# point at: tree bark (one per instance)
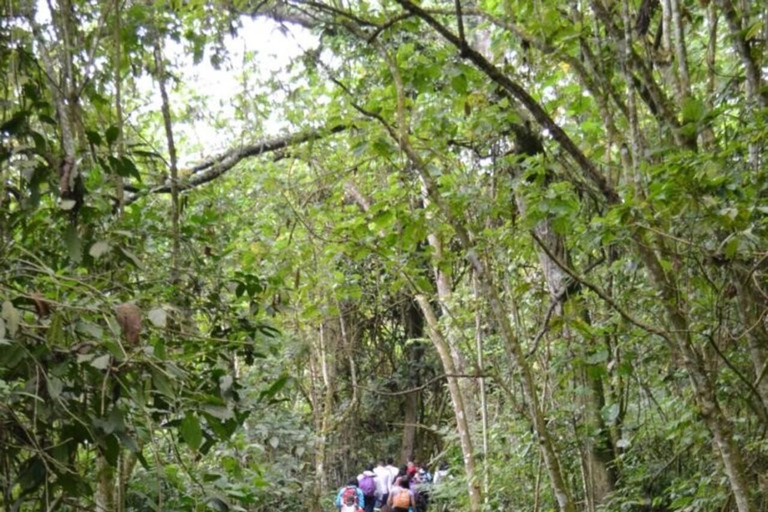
(681, 52)
(414, 327)
(752, 317)
(104, 499)
(465, 439)
(704, 389)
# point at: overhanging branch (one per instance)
(214, 167)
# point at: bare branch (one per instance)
(216, 166)
(518, 92)
(598, 291)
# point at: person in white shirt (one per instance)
(383, 483)
(393, 471)
(441, 474)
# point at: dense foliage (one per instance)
(523, 238)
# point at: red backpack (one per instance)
(349, 498)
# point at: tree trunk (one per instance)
(444, 295)
(749, 305)
(536, 415)
(704, 389)
(126, 465)
(104, 499)
(414, 327)
(488, 292)
(599, 451)
(443, 350)
(681, 54)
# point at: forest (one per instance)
(249, 247)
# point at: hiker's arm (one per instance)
(360, 498)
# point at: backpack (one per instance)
(368, 485)
(402, 499)
(349, 500)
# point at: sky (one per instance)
(273, 47)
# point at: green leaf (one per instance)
(158, 317)
(31, 473)
(218, 505)
(681, 502)
(101, 362)
(459, 83)
(67, 204)
(693, 110)
(55, 387)
(598, 357)
(382, 220)
(91, 329)
(55, 334)
(162, 384)
(112, 133)
(753, 30)
(15, 124)
(12, 318)
(129, 257)
(129, 169)
(276, 386)
(191, 431)
(218, 411)
(111, 450)
(74, 243)
(93, 137)
(98, 249)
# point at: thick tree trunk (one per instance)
(600, 453)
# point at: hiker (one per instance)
(421, 490)
(424, 475)
(366, 482)
(393, 471)
(383, 483)
(441, 473)
(401, 497)
(350, 497)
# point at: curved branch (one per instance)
(520, 94)
(599, 292)
(216, 166)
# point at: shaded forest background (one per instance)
(525, 238)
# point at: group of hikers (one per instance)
(388, 488)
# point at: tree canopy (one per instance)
(523, 238)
